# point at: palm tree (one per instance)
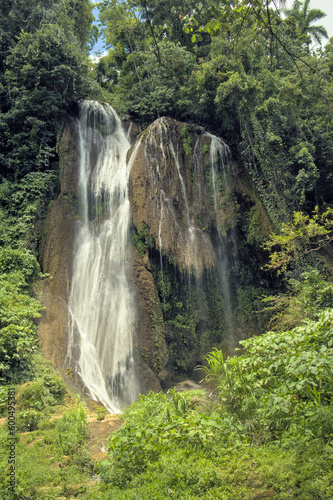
(305, 17)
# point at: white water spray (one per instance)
(101, 303)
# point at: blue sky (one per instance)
(99, 45)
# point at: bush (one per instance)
(18, 333)
(34, 396)
(146, 406)
(283, 381)
(44, 370)
(72, 430)
(28, 420)
(56, 386)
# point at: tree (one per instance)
(297, 239)
(46, 72)
(148, 87)
(305, 18)
(18, 333)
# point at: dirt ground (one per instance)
(100, 431)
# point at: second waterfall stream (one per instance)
(101, 305)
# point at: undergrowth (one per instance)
(265, 432)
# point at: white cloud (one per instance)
(96, 57)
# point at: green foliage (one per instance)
(306, 296)
(199, 455)
(305, 234)
(53, 382)
(246, 87)
(44, 69)
(46, 390)
(166, 426)
(24, 207)
(20, 265)
(33, 395)
(35, 398)
(148, 406)
(282, 381)
(147, 88)
(186, 140)
(18, 335)
(101, 413)
(42, 470)
(141, 239)
(192, 309)
(42, 60)
(305, 17)
(28, 420)
(265, 17)
(314, 292)
(72, 430)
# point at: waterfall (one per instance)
(220, 159)
(101, 302)
(171, 217)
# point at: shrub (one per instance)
(28, 420)
(72, 430)
(283, 381)
(34, 396)
(55, 385)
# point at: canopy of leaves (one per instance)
(304, 235)
(305, 18)
(256, 83)
(44, 70)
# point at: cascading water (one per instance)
(220, 158)
(169, 194)
(101, 302)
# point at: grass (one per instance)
(185, 465)
(43, 471)
(266, 434)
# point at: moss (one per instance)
(205, 150)
(141, 238)
(143, 135)
(157, 317)
(71, 202)
(193, 313)
(156, 358)
(146, 354)
(186, 140)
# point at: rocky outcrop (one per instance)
(170, 193)
(150, 324)
(57, 255)
(186, 198)
(57, 261)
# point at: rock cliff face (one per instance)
(186, 196)
(181, 193)
(169, 192)
(57, 255)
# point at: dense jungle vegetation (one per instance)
(263, 82)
